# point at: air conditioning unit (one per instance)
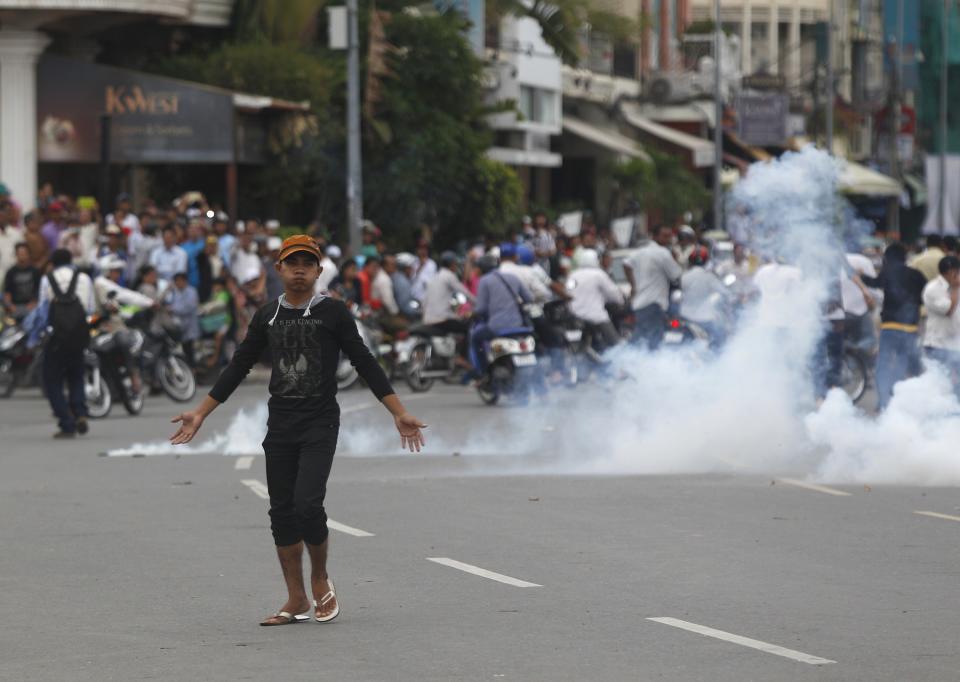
(672, 88)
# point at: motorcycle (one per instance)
(163, 362)
(346, 373)
(19, 365)
(432, 353)
(511, 367)
(111, 368)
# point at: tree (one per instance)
(561, 21)
(431, 168)
(661, 185)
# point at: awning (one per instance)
(607, 139)
(702, 152)
(860, 180)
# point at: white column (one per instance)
(746, 39)
(19, 51)
(773, 38)
(794, 45)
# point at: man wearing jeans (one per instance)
(902, 288)
(651, 271)
(66, 364)
(941, 338)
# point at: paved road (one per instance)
(159, 568)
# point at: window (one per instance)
(538, 105)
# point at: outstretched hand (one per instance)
(190, 423)
(411, 436)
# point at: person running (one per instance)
(305, 334)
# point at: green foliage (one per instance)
(431, 169)
(662, 185)
(260, 68)
(276, 21)
(561, 20)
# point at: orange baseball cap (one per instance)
(299, 242)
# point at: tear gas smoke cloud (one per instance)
(748, 409)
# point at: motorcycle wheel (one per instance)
(346, 374)
(132, 402)
(177, 379)
(854, 375)
(99, 400)
(488, 392)
(8, 378)
(415, 367)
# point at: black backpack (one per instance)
(67, 319)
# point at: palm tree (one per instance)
(561, 20)
(276, 21)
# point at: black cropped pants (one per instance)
(298, 465)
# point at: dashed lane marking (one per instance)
(813, 486)
(244, 462)
(482, 572)
(765, 647)
(260, 490)
(938, 515)
(349, 530)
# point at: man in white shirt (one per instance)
(437, 308)
(62, 364)
(425, 270)
(329, 269)
(859, 302)
(651, 271)
(535, 280)
(941, 338)
(168, 259)
(706, 300)
(591, 289)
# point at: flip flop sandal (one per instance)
(287, 617)
(324, 601)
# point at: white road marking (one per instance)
(938, 515)
(349, 530)
(482, 572)
(359, 407)
(814, 486)
(260, 490)
(243, 463)
(743, 641)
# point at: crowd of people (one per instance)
(194, 264)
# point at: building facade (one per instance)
(32, 27)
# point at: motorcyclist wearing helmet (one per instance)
(591, 289)
(706, 300)
(110, 297)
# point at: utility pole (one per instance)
(944, 37)
(717, 125)
(895, 106)
(354, 160)
(830, 95)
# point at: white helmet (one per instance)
(111, 262)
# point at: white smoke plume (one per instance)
(749, 409)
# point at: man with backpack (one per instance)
(69, 296)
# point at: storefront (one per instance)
(97, 126)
